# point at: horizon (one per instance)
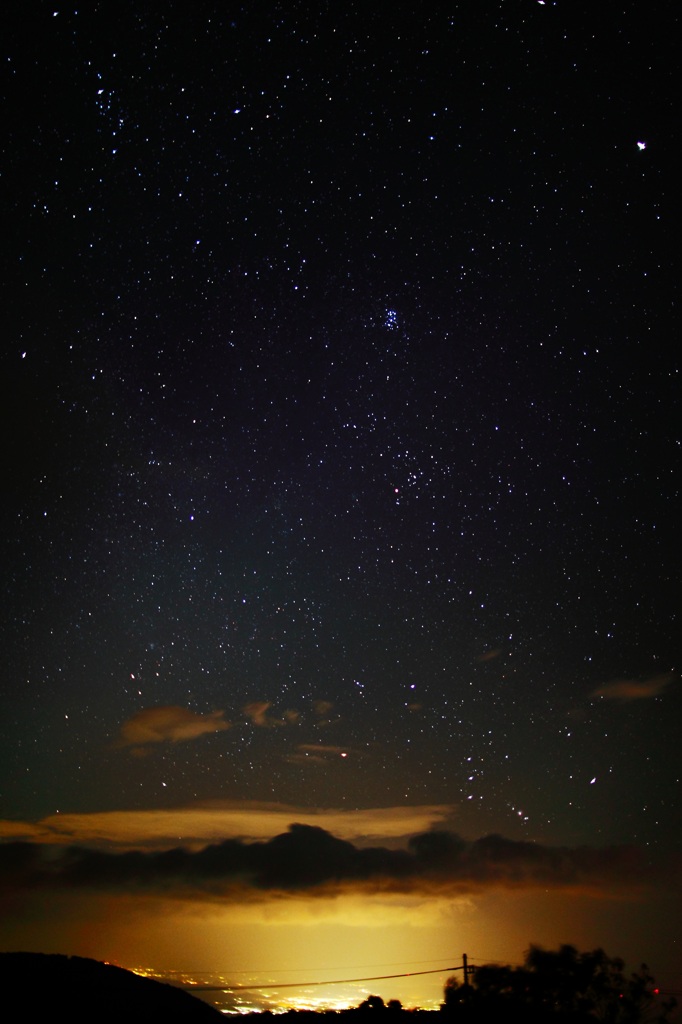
(251, 997)
(285, 910)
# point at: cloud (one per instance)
(490, 655)
(322, 708)
(324, 713)
(257, 713)
(21, 830)
(210, 822)
(168, 724)
(317, 753)
(308, 860)
(633, 689)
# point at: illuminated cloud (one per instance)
(200, 824)
(23, 830)
(322, 708)
(257, 713)
(490, 655)
(633, 689)
(308, 860)
(168, 724)
(324, 713)
(317, 753)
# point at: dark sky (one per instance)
(340, 385)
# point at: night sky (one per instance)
(341, 457)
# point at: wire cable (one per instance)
(309, 984)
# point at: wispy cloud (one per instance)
(257, 712)
(168, 724)
(324, 713)
(626, 690)
(199, 824)
(317, 753)
(322, 708)
(490, 655)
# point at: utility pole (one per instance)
(465, 970)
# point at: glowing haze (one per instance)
(271, 909)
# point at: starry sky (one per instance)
(341, 462)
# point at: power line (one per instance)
(287, 970)
(464, 966)
(308, 984)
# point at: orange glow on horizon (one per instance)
(302, 941)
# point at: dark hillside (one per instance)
(40, 986)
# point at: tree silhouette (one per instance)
(558, 986)
(372, 1003)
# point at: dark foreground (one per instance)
(562, 987)
(42, 987)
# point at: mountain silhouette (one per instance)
(42, 986)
